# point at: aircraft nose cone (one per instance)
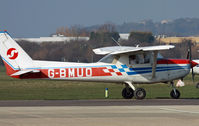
(193, 64)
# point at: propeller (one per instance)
(189, 56)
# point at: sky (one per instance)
(36, 18)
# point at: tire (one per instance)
(175, 96)
(197, 85)
(140, 93)
(127, 93)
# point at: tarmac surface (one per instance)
(164, 112)
(104, 102)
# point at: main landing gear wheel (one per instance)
(175, 94)
(197, 85)
(127, 93)
(140, 93)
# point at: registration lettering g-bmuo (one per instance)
(70, 72)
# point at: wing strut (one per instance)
(155, 53)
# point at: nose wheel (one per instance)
(175, 94)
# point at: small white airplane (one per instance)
(122, 64)
(196, 71)
(196, 68)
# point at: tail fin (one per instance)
(14, 57)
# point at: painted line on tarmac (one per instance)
(179, 111)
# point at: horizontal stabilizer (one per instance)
(21, 72)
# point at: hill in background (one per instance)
(178, 27)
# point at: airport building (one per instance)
(53, 38)
(176, 39)
(61, 38)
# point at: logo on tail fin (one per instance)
(12, 53)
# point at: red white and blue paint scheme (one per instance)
(122, 64)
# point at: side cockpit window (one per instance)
(143, 58)
(132, 59)
(110, 59)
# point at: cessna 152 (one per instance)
(122, 64)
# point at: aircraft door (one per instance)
(162, 72)
(141, 63)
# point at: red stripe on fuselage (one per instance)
(99, 72)
(173, 61)
(75, 72)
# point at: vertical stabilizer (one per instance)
(14, 57)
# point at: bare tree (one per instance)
(108, 27)
(73, 31)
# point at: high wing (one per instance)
(127, 49)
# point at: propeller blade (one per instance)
(189, 51)
(192, 74)
(188, 54)
(190, 60)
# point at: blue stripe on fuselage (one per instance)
(157, 70)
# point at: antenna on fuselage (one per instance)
(116, 41)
